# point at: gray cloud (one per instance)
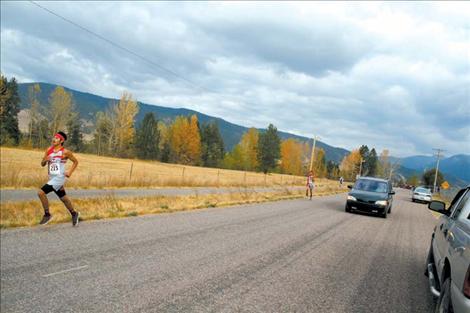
(389, 75)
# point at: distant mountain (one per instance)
(456, 169)
(88, 104)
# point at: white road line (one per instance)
(66, 271)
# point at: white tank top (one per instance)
(57, 162)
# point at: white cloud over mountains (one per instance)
(389, 75)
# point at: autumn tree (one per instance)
(185, 141)
(413, 180)
(319, 164)
(9, 108)
(60, 103)
(349, 167)
(102, 138)
(383, 166)
(123, 117)
(147, 139)
(194, 141)
(291, 157)
(268, 149)
(234, 159)
(212, 145)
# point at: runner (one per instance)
(341, 181)
(309, 184)
(55, 158)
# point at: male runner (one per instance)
(55, 158)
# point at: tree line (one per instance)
(183, 140)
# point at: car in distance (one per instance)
(372, 195)
(448, 263)
(421, 194)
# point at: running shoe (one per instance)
(45, 219)
(75, 218)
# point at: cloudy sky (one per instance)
(390, 75)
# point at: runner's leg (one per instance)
(42, 196)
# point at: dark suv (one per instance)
(372, 195)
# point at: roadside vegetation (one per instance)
(28, 213)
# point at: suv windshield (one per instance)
(371, 185)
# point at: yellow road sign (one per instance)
(445, 185)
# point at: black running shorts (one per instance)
(48, 188)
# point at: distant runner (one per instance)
(55, 158)
(341, 181)
(309, 184)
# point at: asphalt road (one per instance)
(289, 256)
(12, 195)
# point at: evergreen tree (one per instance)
(148, 138)
(75, 141)
(371, 163)
(165, 152)
(268, 149)
(9, 108)
(33, 97)
(428, 178)
(212, 145)
(332, 170)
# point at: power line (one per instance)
(122, 48)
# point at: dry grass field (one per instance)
(29, 213)
(21, 169)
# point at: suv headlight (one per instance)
(351, 198)
(381, 202)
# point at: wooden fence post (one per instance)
(130, 172)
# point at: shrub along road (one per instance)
(31, 194)
(288, 256)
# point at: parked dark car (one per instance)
(371, 195)
(448, 263)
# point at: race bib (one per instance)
(54, 169)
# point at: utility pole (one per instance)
(438, 151)
(313, 151)
(360, 167)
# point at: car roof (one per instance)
(373, 178)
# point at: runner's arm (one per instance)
(45, 159)
(74, 160)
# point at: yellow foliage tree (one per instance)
(61, 106)
(124, 113)
(319, 164)
(185, 141)
(291, 157)
(349, 167)
(383, 166)
(249, 149)
(194, 141)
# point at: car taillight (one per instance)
(466, 284)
